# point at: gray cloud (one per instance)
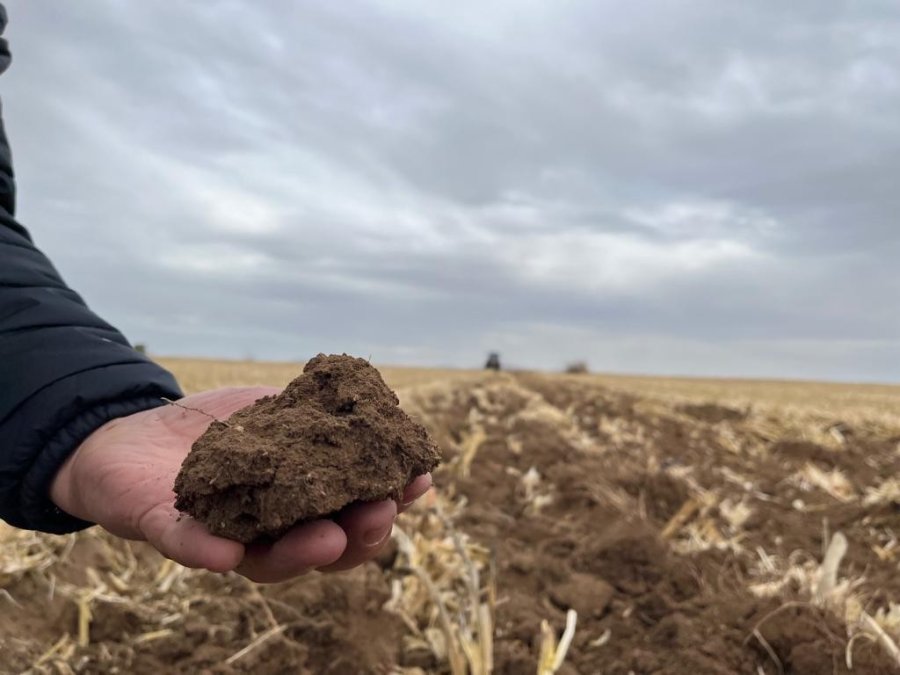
(693, 188)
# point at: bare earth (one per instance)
(673, 526)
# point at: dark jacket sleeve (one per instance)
(63, 371)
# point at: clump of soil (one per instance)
(335, 436)
(713, 413)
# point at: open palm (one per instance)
(121, 478)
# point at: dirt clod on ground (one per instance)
(335, 436)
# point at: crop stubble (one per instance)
(687, 539)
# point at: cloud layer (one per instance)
(693, 188)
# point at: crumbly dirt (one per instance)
(674, 533)
(335, 436)
(656, 592)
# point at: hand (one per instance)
(121, 478)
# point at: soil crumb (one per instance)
(335, 436)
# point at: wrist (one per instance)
(62, 489)
(67, 489)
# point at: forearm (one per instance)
(64, 373)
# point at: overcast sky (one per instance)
(704, 187)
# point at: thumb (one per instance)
(188, 542)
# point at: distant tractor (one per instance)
(577, 368)
(493, 361)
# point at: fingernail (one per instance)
(421, 493)
(403, 505)
(377, 536)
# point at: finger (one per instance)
(419, 486)
(368, 527)
(303, 548)
(187, 541)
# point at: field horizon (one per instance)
(831, 397)
(612, 375)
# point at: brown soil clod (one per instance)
(335, 436)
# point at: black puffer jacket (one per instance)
(63, 370)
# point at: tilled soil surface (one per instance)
(688, 537)
(662, 528)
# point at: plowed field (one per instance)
(669, 534)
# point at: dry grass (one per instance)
(834, 400)
(444, 590)
(200, 374)
(820, 585)
(119, 575)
